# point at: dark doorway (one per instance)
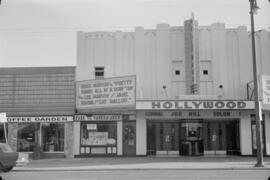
(233, 138)
(129, 138)
(151, 139)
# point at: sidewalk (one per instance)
(145, 163)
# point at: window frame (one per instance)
(101, 70)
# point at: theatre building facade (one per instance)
(177, 91)
(169, 91)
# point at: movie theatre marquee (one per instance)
(194, 105)
(106, 93)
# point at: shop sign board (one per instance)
(192, 114)
(106, 93)
(266, 89)
(40, 119)
(194, 105)
(115, 117)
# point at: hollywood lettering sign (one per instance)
(195, 105)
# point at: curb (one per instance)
(139, 169)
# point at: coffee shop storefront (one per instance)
(52, 135)
(195, 127)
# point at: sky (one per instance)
(43, 32)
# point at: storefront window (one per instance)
(27, 137)
(53, 137)
(98, 138)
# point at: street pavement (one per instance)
(139, 175)
(144, 163)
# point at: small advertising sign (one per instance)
(95, 139)
(114, 117)
(113, 92)
(266, 89)
(91, 126)
(3, 118)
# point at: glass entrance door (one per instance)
(168, 137)
(129, 138)
(151, 138)
(215, 138)
(162, 138)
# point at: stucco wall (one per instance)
(119, 138)
(76, 138)
(245, 134)
(151, 53)
(69, 140)
(141, 138)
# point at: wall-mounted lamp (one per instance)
(221, 92)
(165, 90)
